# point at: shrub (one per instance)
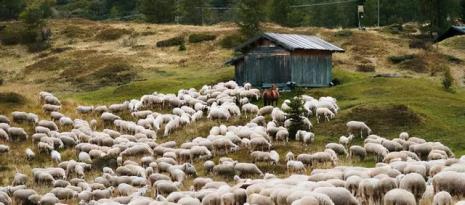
(232, 41)
(448, 80)
(12, 98)
(182, 47)
(420, 44)
(400, 59)
(77, 32)
(296, 114)
(176, 41)
(38, 46)
(454, 59)
(394, 28)
(343, 33)
(201, 37)
(366, 68)
(111, 34)
(18, 34)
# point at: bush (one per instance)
(111, 34)
(12, 98)
(18, 34)
(343, 33)
(176, 41)
(448, 80)
(182, 47)
(201, 37)
(366, 68)
(394, 29)
(420, 44)
(232, 41)
(38, 46)
(400, 59)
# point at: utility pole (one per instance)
(378, 13)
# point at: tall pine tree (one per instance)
(158, 11)
(249, 15)
(296, 114)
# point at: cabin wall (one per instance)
(276, 66)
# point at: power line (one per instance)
(322, 4)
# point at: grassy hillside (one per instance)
(106, 62)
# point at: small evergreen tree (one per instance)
(280, 10)
(448, 79)
(296, 113)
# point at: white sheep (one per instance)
(29, 154)
(56, 156)
(353, 126)
(325, 112)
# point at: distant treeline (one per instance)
(327, 13)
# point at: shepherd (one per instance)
(271, 96)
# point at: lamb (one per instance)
(346, 141)
(247, 169)
(399, 196)
(325, 112)
(353, 126)
(357, 151)
(30, 154)
(442, 198)
(56, 156)
(4, 148)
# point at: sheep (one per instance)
(295, 166)
(48, 199)
(278, 115)
(249, 108)
(338, 148)
(47, 108)
(4, 119)
(5, 199)
(19, 117)
(378, 150)
(19, 179)
(22, 195)
(84, 157)
(404, 136)
(266, 110)
(259, 199)
(449, 181)
(414, 183)
(353, 126)
(282, 135)
(29, 154)
(247, 169)
(4, 148)
(208, 166)
(442, 198)
(164, 187)
(340, 196)
(259, 156)
(4, 135)
(259, 143)
(17, 133)
(399, 196)
(48, 124)
(357, 151)
(56, 156)
(325, 112)
(304, 136)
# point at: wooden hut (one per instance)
(273, 58)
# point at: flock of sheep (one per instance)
(409, 171)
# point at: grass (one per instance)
(164, 81)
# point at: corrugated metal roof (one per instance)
(294, 41)
(452, 31)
